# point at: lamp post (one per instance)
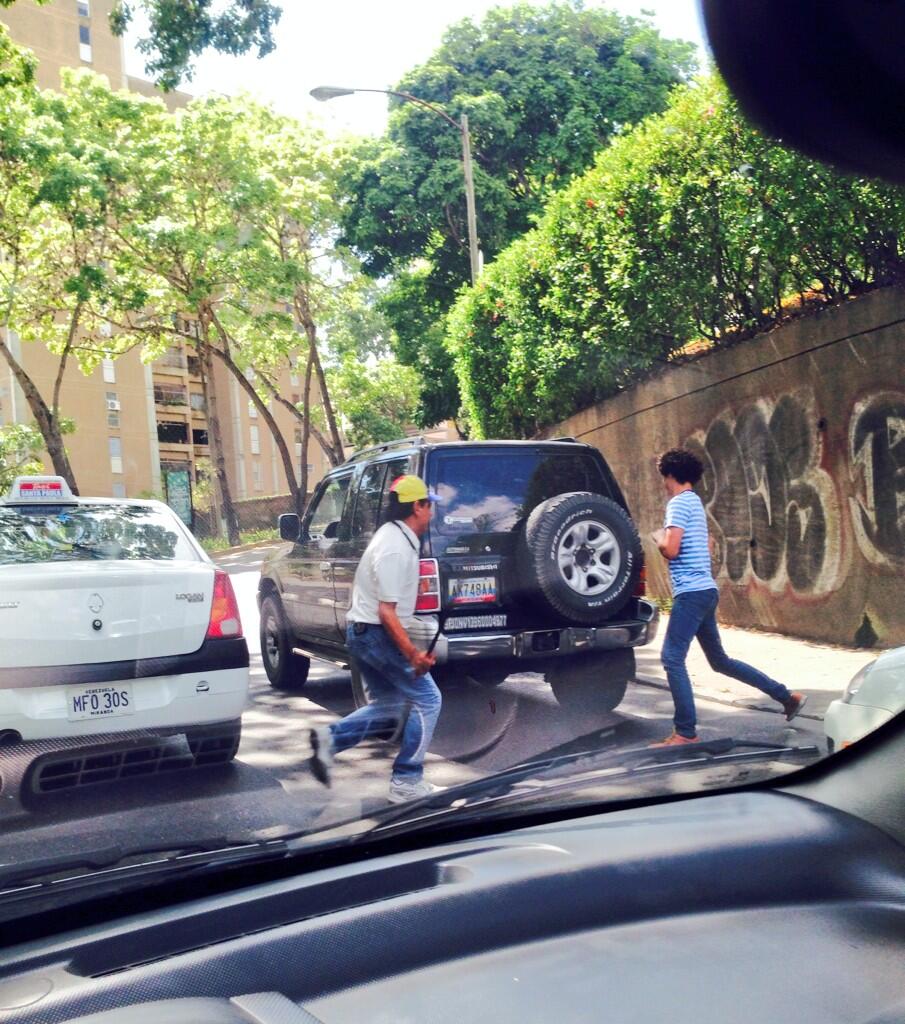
(329, 92)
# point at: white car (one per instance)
(875, 694)
(113, 621)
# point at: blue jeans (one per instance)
(394, 691)
(694, 615)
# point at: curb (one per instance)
(647, 681)
(214, 555)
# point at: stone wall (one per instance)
(802, 434)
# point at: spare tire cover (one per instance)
(581, 556)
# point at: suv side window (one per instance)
(327, 512)
(366, 516)
(395, 469)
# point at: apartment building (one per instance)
(135, 423)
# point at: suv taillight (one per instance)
(225, 621)
(428, 586)
(641, 586)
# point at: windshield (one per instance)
(33, 533)
(522, 403)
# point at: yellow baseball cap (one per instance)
(411, 488)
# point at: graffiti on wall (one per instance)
(772, 509)
(877, 469)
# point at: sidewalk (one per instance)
(820, 671)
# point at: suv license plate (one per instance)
(98, 701)
(478, 589)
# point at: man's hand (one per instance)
(668, 541)
(421, 662)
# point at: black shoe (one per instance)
(794, 704)
(321, 761)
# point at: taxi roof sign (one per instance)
(40, 488)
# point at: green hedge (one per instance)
(692, 225)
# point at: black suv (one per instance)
(531, 562)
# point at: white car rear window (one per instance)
(75, 533)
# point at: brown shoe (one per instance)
(794, 704)
(674, 739)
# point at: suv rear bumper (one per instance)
(563, 641)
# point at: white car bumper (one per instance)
(167, 702)
(846, 723)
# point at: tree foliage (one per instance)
(20, 453)
(178, 32)
(692, 225)
(378, 401)
(544, 88)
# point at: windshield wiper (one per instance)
(508, 786)
(103, 867)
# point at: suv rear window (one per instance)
(487, 491)
(80, 533)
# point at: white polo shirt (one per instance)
(388, 571)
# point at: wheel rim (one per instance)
(271, 644)
(589, 558)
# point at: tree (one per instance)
(693, 225)
(60, 168)
(544, 89)
(378, 401)
(20, 453)
(178, 32)
(418, 341)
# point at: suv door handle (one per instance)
(326, 570)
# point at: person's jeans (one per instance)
(694, 615)
(394, 691)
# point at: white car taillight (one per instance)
(225, 621)
(641, 586)
(428, 586)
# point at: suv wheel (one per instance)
(285, 670)
(594, 682)
(582, 556)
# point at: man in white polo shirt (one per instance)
(395, 673)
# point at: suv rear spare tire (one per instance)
(581, 556)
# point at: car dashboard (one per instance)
(746, 906)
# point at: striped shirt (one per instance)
(690, 570)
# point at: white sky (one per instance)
(369, 44)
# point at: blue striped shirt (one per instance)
(691, 569)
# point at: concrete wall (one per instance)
(802, 434)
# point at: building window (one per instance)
(84, 9)
(85, 43)
(113, 408)
(116, 454)
(172, 432)
(252, 410)
(256, 476)
(196, 398)
(199, 436)
(170, 394)
(119, 490)
(255, 440)
(109, 371)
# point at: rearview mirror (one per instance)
(827, 78)
(290, 526)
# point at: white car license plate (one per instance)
(98, 701)
(471, 591)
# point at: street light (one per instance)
(329, 92)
